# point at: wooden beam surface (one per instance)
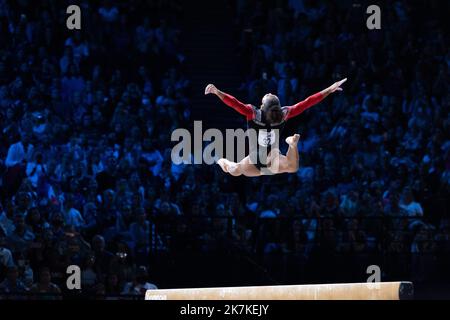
(340, 291)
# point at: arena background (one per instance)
(86, 118)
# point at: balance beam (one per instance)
(340, 291)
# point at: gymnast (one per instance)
(268, 121)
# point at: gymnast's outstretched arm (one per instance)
(229, 100)
(298, 108)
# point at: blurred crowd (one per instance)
(86, 117)
(375, 160)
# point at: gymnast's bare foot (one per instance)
(293, 140)
(225, 164)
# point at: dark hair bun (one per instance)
(272, 109)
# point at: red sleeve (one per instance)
(244, 109)
(298, 108)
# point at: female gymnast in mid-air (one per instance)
(268, 120)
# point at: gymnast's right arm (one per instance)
(229, 100)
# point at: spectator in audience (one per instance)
(12, 283)
(45, 285)
(139, 285)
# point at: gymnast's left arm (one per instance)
(298, 108)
